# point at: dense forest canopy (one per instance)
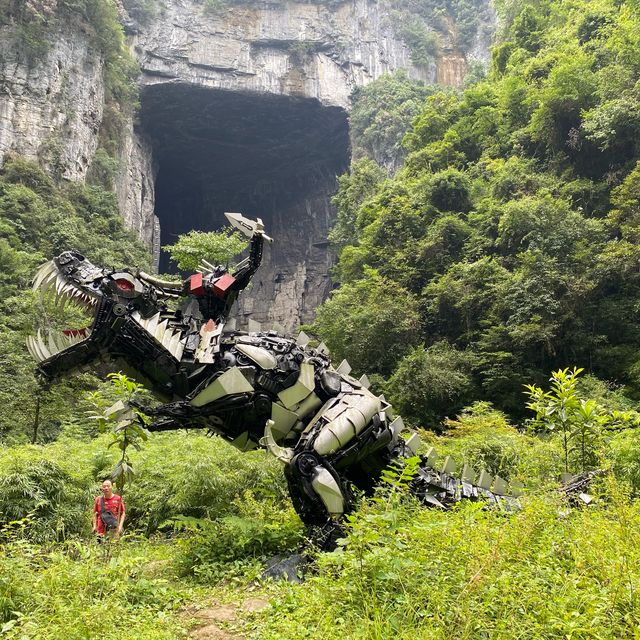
(507, 244)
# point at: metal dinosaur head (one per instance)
(113, 301)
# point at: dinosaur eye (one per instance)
(125, 285)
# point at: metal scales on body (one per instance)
(255, 389)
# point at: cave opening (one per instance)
(263, 155)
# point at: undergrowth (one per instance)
(401, 571)
(407, 572)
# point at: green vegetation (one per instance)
(38, 220)
(512, 226)
(421, 24)
(382, 112)
(217, 247)
(546, 571)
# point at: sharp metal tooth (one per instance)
(468, 474)
(152, 324)
(60, 340)
(485, 480)
(449, 465)
(174, 344)
(500, 486)
(179, 350)
(432, 457)
(323, 349)
(68, 291)
(344, 368)
(42, 349)
(46, 283)
(60, 283)
(166, 338)
(32, 350)
(364, 381)
(160, 330)
(43, 271)
(397, 426)
(413, 443)
(53, 347)
(303, 339)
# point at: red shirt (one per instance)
(113, 504)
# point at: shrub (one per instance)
(429, 384)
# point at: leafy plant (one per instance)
(217, 247)
(127, 422)
(579, 422)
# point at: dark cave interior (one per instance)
(264, 155)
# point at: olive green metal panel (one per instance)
(468, 474)
(308, 405)
(263, 358)
(327, 488)
(449, 465)
(397, 426)
(284, 454)
(413, 443)
(364, 381)
(303, 339)
(500, 486)
(516, 489)
(485, 480)
(359, 410)
(229, 383)
(283, 421)
(304, 385)
(344, 368)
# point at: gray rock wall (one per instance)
(51, 109)
(290, 48)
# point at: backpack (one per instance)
(108, 519)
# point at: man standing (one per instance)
(108, 512)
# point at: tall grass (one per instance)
(407, 572)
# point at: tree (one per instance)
(432, 383)
(217, 247)
(372, 322)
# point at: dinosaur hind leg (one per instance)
(319, 497)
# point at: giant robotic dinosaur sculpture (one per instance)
(254, 389)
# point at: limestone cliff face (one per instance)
(312, 50)
(245, 108)
(51, 110)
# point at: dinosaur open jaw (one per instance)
(64, 295)
(56, 342)
(49, 280)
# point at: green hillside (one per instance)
(506, 246)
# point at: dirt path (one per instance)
(216, 621)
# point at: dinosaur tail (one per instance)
(436, 482)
